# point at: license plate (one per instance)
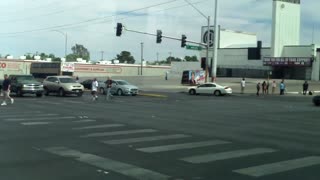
(77, 91)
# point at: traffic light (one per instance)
(203, 63)
(119, 29)
(183, 41)
(159, 36)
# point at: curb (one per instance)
(153, 95)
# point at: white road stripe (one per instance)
(38, 118)
(227, 155)
(15, 113)
(35, 123)
(120, 133)
(129, 170)
(84, 121)
(173, 147)
(49, 102)
(146, 139)
(99, 126)
(24, 115)
(74, 102)
(278, 167)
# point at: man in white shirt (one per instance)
(94, 89)
(243, 85)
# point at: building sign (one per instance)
(67, 67)
(287, 61)
(90, 68)
(15, 66)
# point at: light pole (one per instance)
(208, 37)
(215, 44)
(66, 42)
(141, 58)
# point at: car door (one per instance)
(201, 89)
(55, 84)
(210, 88)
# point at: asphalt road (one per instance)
(150, 138)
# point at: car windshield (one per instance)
(123, 83)
(25, 78)
(67, 80)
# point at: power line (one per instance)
(87, 21)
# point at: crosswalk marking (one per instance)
(173, 147)
(227, 155)
(102, 134)
(74, 102)
(278, 167)
(49, 102)
(146, 139)
(39, 118)
(129, 170)
(35, 123)
(24, 115)
(84, 121)
(99, 126)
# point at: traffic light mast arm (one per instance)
(167, 37)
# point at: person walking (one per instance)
(94, 89)
(108, 86)
(258, 89)
(274, 86)
(243, 85)
(305, 87)
(282, 87)
(6, 90)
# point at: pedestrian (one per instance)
(6, 90)
(77, 79)
(94, 89)
(305, 87)
(243, 85)
(274, 86)
(267, 88)
(264, 87)
(108, 86)
(166, 75)
(258, 89)
(282, 87)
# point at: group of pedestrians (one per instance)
(95, 86)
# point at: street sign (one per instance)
(197, 48)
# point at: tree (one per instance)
(78, 51)
(191, 59)
(125, 56)
(173, 59)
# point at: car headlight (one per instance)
(41, 86)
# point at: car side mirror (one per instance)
(57, 82)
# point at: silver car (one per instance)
(62, 85)
(121, 87)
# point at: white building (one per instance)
(239, 55)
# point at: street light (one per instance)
(208, 36)
(66, 42)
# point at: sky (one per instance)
(31, 26)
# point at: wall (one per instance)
(16, 67)
(298, 51)
(230, 38)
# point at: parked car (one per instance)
(25, 84)
(62, 85)
(121, 87)
(210, 88)
(88, 85)
(316, 100)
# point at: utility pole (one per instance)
(102, 53)
(141, 58)
(215, 44)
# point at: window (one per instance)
(67, 80)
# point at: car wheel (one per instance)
(19, 93)
(217, 93)
(119, 92)
(192, 92)
(46, 92)
(61, 92)
(102, 91)
(39, 94)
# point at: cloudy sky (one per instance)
(30, 26)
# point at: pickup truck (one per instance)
(25, 84)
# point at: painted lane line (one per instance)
(103, 134)
(24, 115)
(99, 126)
(173, 147)
(146, 139)
(129, 170)
(84, 121)
(227, 155)
(34, 119)
(35, 123)
(279, 167)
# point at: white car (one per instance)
(210, 88)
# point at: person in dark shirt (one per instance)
(6, 90)
(305, 87)
(108, 86)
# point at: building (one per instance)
(239, 54)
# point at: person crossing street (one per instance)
(6, 90)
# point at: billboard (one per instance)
(193, 77)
